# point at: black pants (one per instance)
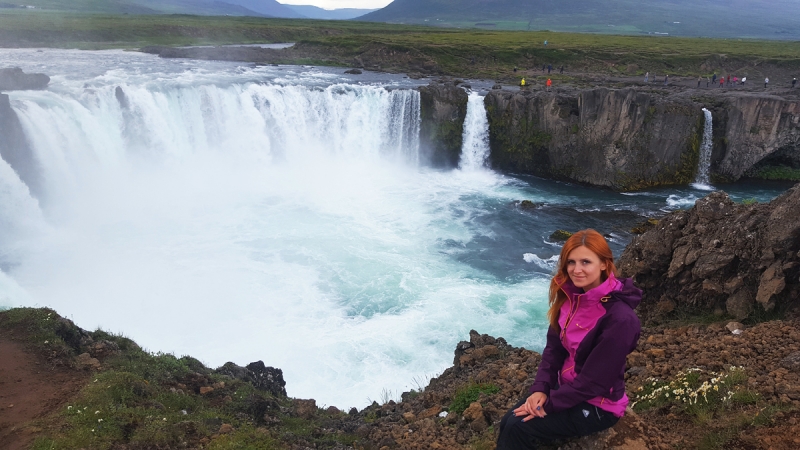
(579, 420)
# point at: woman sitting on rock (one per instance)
(580, 385)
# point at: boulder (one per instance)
(264, 378)
(719, 255)
(12, 79)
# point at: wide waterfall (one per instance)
(278, 213)
(701, 181)
(475, 142)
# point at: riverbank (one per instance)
(69, 388)
(462, 53)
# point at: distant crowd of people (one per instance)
(722, 81)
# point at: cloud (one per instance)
(337, 4)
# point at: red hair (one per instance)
(595, 242)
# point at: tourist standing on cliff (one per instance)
(646, 76)
(794, 82)
(714, 78)
(666, 79)
(699, 80)
(580, 385)
(766, 82)
(549, 83)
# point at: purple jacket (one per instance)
(600, 358)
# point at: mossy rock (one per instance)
(527, 205)
(560, 235)
(644, 226)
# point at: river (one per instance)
(235, 212)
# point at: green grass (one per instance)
(470, 393)
(477, 53)
(777, 173)
(151, 400)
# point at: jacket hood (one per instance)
(629, 293)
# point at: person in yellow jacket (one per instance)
(522, 84)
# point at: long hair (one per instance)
(595, 242)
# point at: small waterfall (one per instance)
(705, 152)
(475, 143)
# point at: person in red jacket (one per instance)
(549, 83)
(580, 384)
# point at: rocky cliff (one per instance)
(443, 108)
(630, 138)
(14, 147)
(15, 79)
(719, 255)
(623, 139)
(752, 132)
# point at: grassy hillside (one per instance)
(401, 47)
(770, 19)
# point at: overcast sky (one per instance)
(336, 4)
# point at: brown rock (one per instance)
(473, 412)
(409, 417)
(206, 390)
(225, 428)
(85, 361)
(306, 409)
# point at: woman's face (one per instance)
(584, 268)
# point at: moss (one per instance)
(777, 173)
(644, 226)
(470, 393)
(560, 235)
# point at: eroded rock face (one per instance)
(15, 149)
(754, 130)
(719, 255)
(443, 108)
(12, 79)
(622, 139)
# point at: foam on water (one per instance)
(239, 221)
(547, 264)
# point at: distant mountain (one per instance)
(774, 19)
(263, 8)
(313, 12)
(269, 8)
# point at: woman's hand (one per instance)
(533, 407)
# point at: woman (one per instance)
(580, 385)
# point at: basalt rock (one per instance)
(265, 378)
(630, 138)
(12, 79)
(720, 255)
(752, 132)
(623, 139)
(443, 108)
(15, 149)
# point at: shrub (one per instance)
(465, 395)
(697, 392)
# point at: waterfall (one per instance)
(78, 135)
(475, 142)
(701, 180)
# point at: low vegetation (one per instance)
(140, 399)
(475, 53)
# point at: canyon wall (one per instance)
(719, 256)
(628, 139)
(443, 108)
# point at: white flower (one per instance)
(69, 407)
(97, 412)
(99, 420)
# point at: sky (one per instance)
(336, 4)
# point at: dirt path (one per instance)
(30, 388)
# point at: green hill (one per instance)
(770, 19)
(263, 8)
